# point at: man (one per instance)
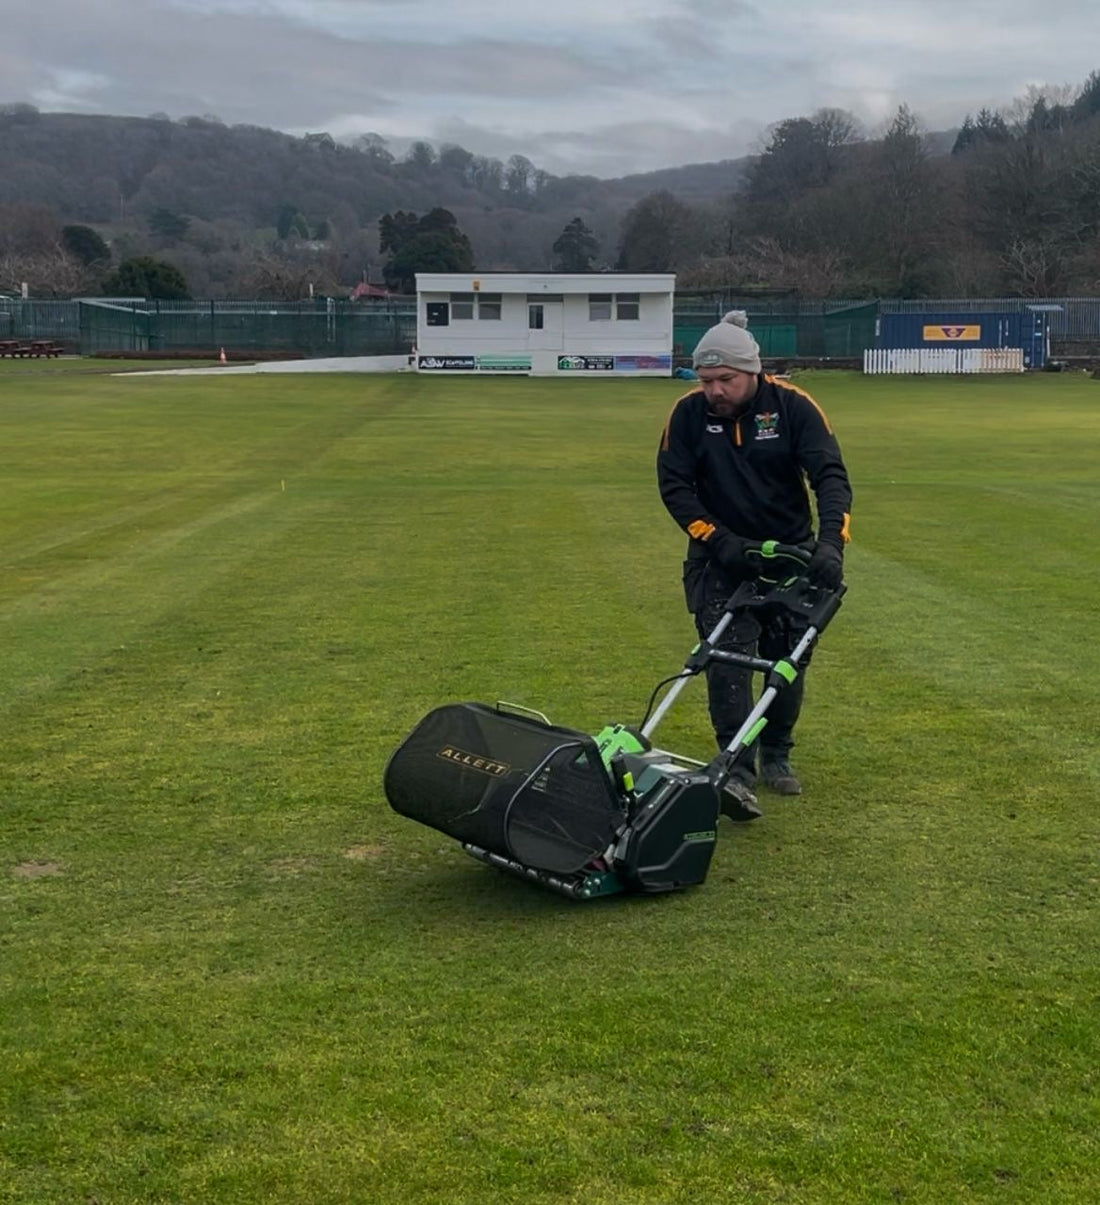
(734, 462)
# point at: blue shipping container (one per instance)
(1027, 330)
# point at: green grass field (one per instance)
(230, 973)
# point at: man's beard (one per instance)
(725, 409)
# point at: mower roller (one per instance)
(591, 815)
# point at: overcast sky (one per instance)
(604, 87)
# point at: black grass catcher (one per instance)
(594, 815)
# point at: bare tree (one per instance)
(1020, 115)
(46, 274)
(375, 148)
(518, 175)
(29, 230)
(283, 280)
(902, 206)
(1033, 267)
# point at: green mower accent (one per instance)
(756, 730)
(616, 739)
(775, 551)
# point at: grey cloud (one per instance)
(202, 65)
(706, 29)
(627, 148)
(719, 10)
(271, 70)
(695, 80)
(692, 45)
(490, 68)
(19, 76)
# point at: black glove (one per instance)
(729, 551)
(826, 567)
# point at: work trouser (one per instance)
(729, 687)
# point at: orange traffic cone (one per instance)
(222, 356)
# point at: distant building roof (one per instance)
(362, 289)
(555, 282)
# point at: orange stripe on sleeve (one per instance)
(700, 530)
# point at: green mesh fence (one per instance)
(56, 320)
(308, 329)
(784, 329)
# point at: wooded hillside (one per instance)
(1008, 204)
(234, 186)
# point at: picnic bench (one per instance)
(30, 348)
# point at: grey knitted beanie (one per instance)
(728, 343)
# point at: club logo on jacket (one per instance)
(767, 426)
(714, 428)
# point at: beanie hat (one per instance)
(729, 344)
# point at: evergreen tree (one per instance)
(1087, 103)
(143, 276)
(991, 127)
(84, 244)
(433, 243)
(1046, 118)
(575, 248)
(290, 221)
(964, 139)
(395, 230)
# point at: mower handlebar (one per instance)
(771, 553)
(781, 582)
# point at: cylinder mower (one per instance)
(591, 815)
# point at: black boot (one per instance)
(738, 801)
(777, 774)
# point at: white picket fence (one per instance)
(943, 359)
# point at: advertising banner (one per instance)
(970, 333)
(504, 363)
(643, 363)
(586, 363)
(465, 363)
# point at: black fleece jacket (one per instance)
(749, 474)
